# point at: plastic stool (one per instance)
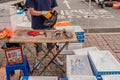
(22, 66)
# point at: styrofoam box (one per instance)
(11, 24)
(10, 2)
(71, 46)
(110, 77)
(103, 61)
(39, 78)
(78, 66)
(84, 51)
(7, 10)
(82, 78)
(4, 19)
(24, 25)
(11, 21)
(75, 28)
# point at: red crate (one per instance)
(14, 55)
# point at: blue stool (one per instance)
(22, 66)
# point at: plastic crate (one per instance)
(14, 53)
(63, 79)
(79, 33)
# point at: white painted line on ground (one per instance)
(82, 13)
(67, 4)
(62, 12)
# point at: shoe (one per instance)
(37, 64)
(59, 62)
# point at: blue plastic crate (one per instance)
(63, 78)
(80, 37)
(81, 41)
(79, 33)
(99, 78)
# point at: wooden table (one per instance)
(21, 36)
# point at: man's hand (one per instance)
(47, 14)
(44, 12)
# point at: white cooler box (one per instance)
(78, 65)
(82, 78)
(39, 78)
(84, 51)
(71, 46)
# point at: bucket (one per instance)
(116, 5)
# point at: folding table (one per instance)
(21, 36)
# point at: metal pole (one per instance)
(89, 15)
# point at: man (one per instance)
(38, 9)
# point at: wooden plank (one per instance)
(23, 37)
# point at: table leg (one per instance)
(44, 56)
(35, 58)
(47, 54)
(54, 57)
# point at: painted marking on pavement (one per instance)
(67, 4)
(83, 13)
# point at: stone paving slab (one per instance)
(3, 74)
(109, 42)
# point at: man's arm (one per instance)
(34, 12)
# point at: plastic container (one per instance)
(116, 5)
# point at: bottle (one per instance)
(48, 15)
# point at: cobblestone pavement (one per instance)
(107, 41)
